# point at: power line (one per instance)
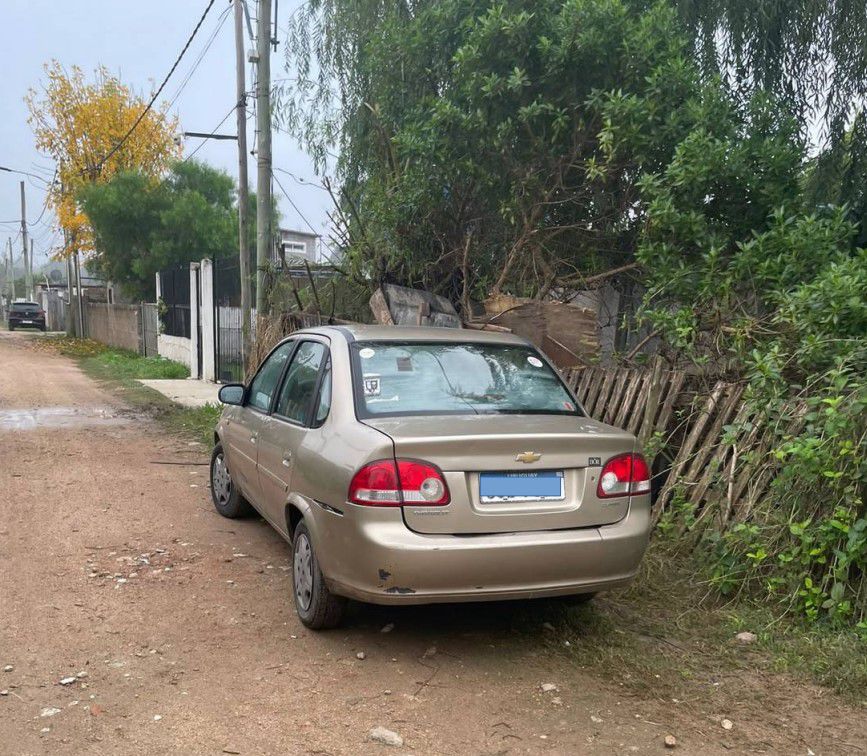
(222, 19)
(297, 209)
(302, 181)
(161, 87)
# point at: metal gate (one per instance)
(175, 294)
(228, 335)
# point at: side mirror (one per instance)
(232, 393)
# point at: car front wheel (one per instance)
(317, 607)
(224, 493)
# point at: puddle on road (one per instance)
(58, 417)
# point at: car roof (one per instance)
(358, 332)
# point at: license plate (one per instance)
(546, 485)
(27, 322)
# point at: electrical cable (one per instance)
(297, 210)
(302, 181)
(222, 20)
(160, 88)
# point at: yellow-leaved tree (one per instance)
(80, 124)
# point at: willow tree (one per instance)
(87, 128)
(811, 54)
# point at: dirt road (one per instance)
(177, 628)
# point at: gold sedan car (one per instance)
(422, 465)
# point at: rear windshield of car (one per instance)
(437, 378)
(21, 306)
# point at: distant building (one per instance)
(295, 246)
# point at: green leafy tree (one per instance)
(469, 133)
(143, 225)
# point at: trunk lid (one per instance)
(467, 448)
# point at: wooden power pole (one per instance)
(28, 270)
(243, 188)
(263, 151)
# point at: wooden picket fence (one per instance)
(640, 401)
(718, 447)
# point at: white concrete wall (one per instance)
(194, 321)
(209, 358)
(175, 348)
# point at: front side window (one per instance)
(301, 381)
(265, 383)
(430, 378)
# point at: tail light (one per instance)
(390, 483)
(40, 313)
(624, 475)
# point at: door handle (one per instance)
(253, 438)
(287, 459)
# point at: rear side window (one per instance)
(301, 381)
(24, 306)
(265, 383)
(323, 406)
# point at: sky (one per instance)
(137, 41)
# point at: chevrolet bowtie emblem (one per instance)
(527, 457)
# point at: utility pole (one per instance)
(263, 151)
(243, 187)
(32, 255)
(71, 320)
(80, 302)
(10, 267)
(28, 271)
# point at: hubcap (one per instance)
(302, 572)
(221, 481)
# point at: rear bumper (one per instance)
(387, 563)
(32, 322)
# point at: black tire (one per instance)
(11, 327)
(42, 328)
(317, 607)
(224, 493)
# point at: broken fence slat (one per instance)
(595, 388)
(635, 383)
(710, 441)
(614, 401)
(685, 451)
(707, 465)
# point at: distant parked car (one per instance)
(26, 314)
(424, 465)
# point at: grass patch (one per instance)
(667, 636)
(118, 364)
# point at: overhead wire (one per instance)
(291, 202)
(161, 86)
(207, 46)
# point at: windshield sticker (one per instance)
(366, 353)
(404, 364)
(569, 406)
(534, 361)
(372, 386)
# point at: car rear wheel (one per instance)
(224, 493)
(317, 607)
